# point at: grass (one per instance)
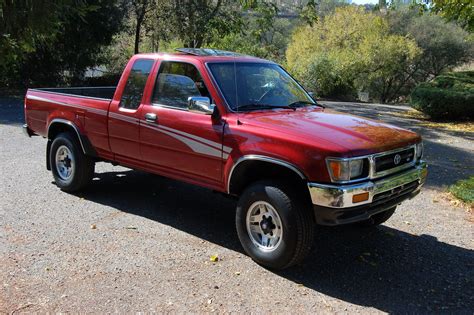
(464, 190)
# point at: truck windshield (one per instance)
(257, 86)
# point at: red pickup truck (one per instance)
(237, 125)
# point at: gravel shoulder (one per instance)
(150, 248)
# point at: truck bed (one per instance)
(85, 107)
(104, 92)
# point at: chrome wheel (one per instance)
(264, 226)
(64, 163)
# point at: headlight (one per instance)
(345, 170)
(419, 150)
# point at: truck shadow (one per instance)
(385, 268)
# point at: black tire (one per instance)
(296, 218)
(378, 218)
(83, 165)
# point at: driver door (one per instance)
(180, 143)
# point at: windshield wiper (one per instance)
(295, 104)
(258, 106)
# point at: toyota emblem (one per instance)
(397, 159)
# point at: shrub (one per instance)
(447, 97)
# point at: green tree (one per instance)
(355, 49)
(461, 11)
(196, 21)
(444, 45)
(70, 41)
(39, 21)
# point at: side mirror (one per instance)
(200, 104)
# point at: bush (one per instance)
(447, 97)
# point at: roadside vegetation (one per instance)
(448, 97)
(464, 190)
(338, 50)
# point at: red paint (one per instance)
(174, 145)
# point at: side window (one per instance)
(133, 91)
(176, 82)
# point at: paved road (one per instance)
(153, 238)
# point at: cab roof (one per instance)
(205, 55)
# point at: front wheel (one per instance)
(274, 224)
(72, 169)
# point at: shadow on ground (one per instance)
(384, 268)
(11, 111)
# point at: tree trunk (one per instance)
(137, 36)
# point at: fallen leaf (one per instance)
(214, 258)
(237, 273)
(93, 226)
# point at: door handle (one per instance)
(150, 117)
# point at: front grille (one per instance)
(387, 162)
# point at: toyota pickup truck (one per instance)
(241, 126)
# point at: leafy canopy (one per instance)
(349, 50)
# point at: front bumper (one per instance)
(334, 205)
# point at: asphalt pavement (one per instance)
(139, 242)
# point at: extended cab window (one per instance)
(133, 91)
(176, 82)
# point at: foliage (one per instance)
(196, 21)
(70, 41)
(357, 50)
(444, 45)
(262, 34)
(460, 11)
(324, 78)
(464, 190)
(447, 97)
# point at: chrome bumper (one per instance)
(340, 196)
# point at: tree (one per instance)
(39, 19)
(197, 21)
(263, 33)
(355, 50)
(444, 45)
(70, 41)
(461, 11)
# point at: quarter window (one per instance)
(176, 82)
(133, 91)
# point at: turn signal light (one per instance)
(360, 197)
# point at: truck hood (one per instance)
(359, 135)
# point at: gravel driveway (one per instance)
(138, 242)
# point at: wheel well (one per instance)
(59, 127)
(250, 171)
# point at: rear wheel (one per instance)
(274, 224)
(72, 169)
(378, 218)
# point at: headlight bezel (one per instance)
(344, 172)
